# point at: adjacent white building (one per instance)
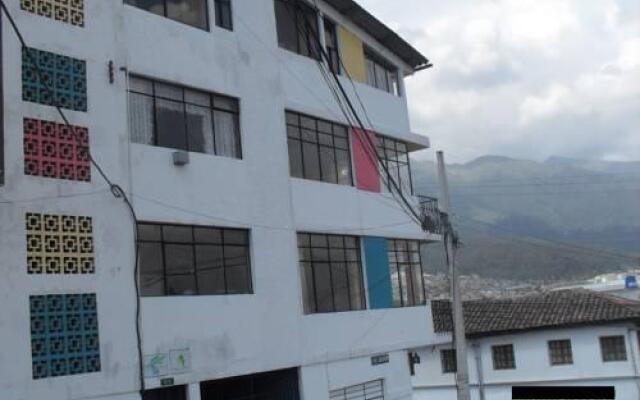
(563, 338)
(272, 261)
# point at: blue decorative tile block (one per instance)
(57, 81)
(64, 335)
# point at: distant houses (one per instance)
(569, 337)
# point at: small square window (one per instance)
(613, 348)
(448, 361)
(224, 16)
(560, 352)
(503, 357)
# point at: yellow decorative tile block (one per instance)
(59, 244)
(69, 11)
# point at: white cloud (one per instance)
(525, 78)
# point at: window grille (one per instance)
(373, 390)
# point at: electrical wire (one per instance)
(245, 223)
(308, 33)
(115, 189)
(60, 196)
(552, 245)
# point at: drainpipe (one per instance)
(634, 362)
(477, 355)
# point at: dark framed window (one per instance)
(407, 280)
(190, 12)
(331, 273)
(448, 361)
(224, 14)
(167, 393)
(318, 149)
(297, 26)
(372, 390)
(613, 348)
(503, 357)
(560, 352)
(331, 40)
(176, 117)
(179, 260)
(381, 74)
(395, 156)
(276, 385)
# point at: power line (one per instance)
(604, 175)
(309, 33)
(60, 196)
(534, 193)
(246, 223)
(554, 245)
(116, 190)
(615, 182)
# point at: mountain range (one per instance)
(561, 219)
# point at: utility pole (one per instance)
(450, 243)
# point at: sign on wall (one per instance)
(174, 362)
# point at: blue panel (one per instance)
(64, 335)
(378, 277)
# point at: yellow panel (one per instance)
(352, 55)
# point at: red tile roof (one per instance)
(549, 310)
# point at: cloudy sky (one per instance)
(524, 78)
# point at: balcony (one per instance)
(430, 215)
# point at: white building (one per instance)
(562, 338)
(617, 284)
(268, 251)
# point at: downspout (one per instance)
(477, 355)
(634, 362)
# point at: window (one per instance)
(224, 17)
(613, 348)
(503, 357)
(190, 12)
(331, 272)
(381, 74)
(318, 149)
(406, 273)
(448, 361)
(172, 116)
(178, 260)
(395, 157)
(373, 390)
(167, 393)
(560, 352)
(297, 25)
(331, 39)
(274, 385)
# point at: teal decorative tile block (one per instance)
(64, 335)
(54, 80)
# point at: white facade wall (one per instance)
(226, 335)
(533, 367)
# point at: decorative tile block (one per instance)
(69, 11)
(59, 244)
(62, 80)
(64, 335)
(55, 151)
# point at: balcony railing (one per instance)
(430, 215)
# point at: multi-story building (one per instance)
(270, 257)
(560, 338)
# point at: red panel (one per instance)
(365, 160)
(53, 151)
